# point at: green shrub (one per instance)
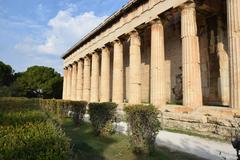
(15, 104)
(102, 116)
(22, 117)
(144, 126)
(79, 109)
(36, 141)
(27, 132)
(61, 108)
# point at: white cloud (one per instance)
(64, 30)
(61, 33)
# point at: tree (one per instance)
(6, 74)
(38, 81)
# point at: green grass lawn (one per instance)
(86, 146)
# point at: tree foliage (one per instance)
(6, 74)
(39, 81)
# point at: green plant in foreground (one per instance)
(144, 126)
(33, 141)
(28, 132)
(102, 116)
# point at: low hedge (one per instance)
(36, 141)
(144, 126)
(58, 107)
(79, 109)
(61, 108)
(14, 104)
(101, 116)
(27, 132)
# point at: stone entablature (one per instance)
(145, 13)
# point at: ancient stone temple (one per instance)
(182, 56)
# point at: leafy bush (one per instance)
(14, 104)
(144, 126)
(22, 117)
(102, 116)
(52, 105)
(27, 132)
(38, 141)
(79, 109)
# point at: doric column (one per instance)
(233, 15)
(69, 82)
(192, 90)
(74, 82)
(105, 75)
(86, 79)
(64, 83)
(117, 72)
(157, 64)
(95, 78)
(223, 65)
(135, 69)
(80, 80)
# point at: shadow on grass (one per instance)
(85, 145)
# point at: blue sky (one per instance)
(38, 32)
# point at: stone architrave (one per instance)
(192, 90)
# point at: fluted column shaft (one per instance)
(69, 82)
(223, 65)
(80, 80)
(64, 83)
(157, 96)
(233, 14)
(95, 78)
(117, 72)
(74, 82)
(86, 79)
(135, 69)
(105, 75)
(192, 90)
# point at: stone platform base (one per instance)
(214, 122)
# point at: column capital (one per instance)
(75, 62)
(157, 20)
(80, 59)
(86, 57)
(95, 53)
(189, 5)
(134, 33)
(117, 41)
(135, 38)
(105, 49)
